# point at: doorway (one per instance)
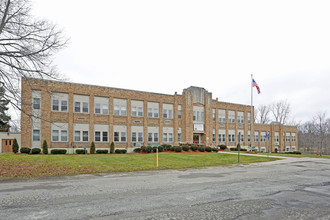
(7, 145)
(196, 139)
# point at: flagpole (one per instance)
(251, 114)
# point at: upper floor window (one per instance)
(231, 116)
(81, 103)
(119, 107)
(136, 108)
(101, 105)
(179, 112)
(213, 115)
(36, 103)
(240, 117)
(168, 111)
(153, 110)
(198, 114)
(59, 102)
(222, 115)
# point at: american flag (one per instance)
(254, 84)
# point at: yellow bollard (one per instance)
(157, 156)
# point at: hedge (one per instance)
(294, 152)
(80, 151)
(236, 149)
(208, 149)
(177, 149)
(215, 149)
(25, 150)
(194, 148)
(201, 149)
(58, 151)
(102, 151)
(36, 151)
(223, 147)
(120, 151)
(185, 147)
(137, 150)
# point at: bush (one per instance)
(15, 146)
(137, 150)
(160, 149)
(185, 147)
(294, 152)
(208, 149)
(223, 147)
(58, 151)
(80, 151)
(194, 148)
(149, 149)
(112, 148)
(167, 147)
(177, 149)
(215, 149)
(102, 151)
(172, 148)
(25, 150)
(35, 150)
(92, 149)
(201, 149)
(44, 147)
(276, 150)
(120, 151)
(236, 149)
(154, 149)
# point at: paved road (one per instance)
(294, 188)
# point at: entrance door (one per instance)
(196, 139)
(7, 145)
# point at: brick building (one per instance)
(68, 115)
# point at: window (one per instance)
(140, 137)
(133, 136)
(293, 138)
(249, 138)
(170, 137)
(179, 137)
(55, 135)
(36, 103)
(168, 111)
(156, 137)
(164, 137)
(64, 105)
(120, 107)
(219, 137)
(77, 136)
(85, 135)
(213, 115)
(149, 137)
(81, 103)
(240, 117)
(116, 136)
(134, 112)
(105, 136)
(123, 137)
(222, 115)
(256, 136)
(223, 138)
(105, 109)
(85, 107)
(179, 112)
(156, 112)
(55, 105)
(140, 111)
(149, 112)
(77, 107)
(116, 110)
(288, 137)
(249, 117)
(231, 116)
(59, 102)
(97, 136)
(64, 135)
(97, 108)
(36, 135)
(198, 113)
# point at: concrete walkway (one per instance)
(254, 155)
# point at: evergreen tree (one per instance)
(4, 118)
(112, 148)
(44, 147)
(92, 150)
(15, 146)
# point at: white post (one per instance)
(251, 114)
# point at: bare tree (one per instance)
(321, 129)
(281, 111)
(27, 46)
(262, 114)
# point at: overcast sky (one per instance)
(166, 46)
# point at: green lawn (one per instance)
(295, 155)
(57, 165)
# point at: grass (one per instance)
(296, 155)
(27, 166)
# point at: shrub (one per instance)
(215, 149)
(223, 147)
(137, 150)
(149, 149)
(276, 150)
(35, 150)
(102, 151)
(120, 151)
(185, 147)
(154, 149)
(194, 148)
(172, 148)
(208, 149)
(112, 148)
(58, 151)
(160, 148)
(177, 149)
(81, 151)
(92, 149)
(44, 147)
(201, 149)
(167, 147)
(25, 150)
(15, 146)
(294, 152)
